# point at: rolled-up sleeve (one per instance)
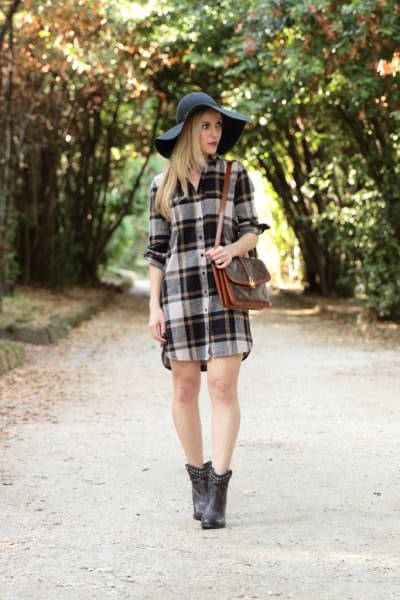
(159, 234)
(245, 211)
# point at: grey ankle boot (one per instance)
(214, 511)
(199, 478)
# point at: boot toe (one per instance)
(212, 524)
(211, 520)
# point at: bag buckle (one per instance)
(252, 283)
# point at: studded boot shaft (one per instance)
(214, 512)
(199, 478)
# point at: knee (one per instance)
(185, 391)
(222, 390)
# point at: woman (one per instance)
(186, 316)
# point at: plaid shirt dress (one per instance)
(197, 326)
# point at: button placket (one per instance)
(204, 281)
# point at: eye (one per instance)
(204, 125)
(219, 124)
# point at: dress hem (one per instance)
(166, 361)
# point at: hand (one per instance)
(222, 256)
(157, 325)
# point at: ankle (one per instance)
(219, 478)
(196, 464)
(220, 469)
(201, 471)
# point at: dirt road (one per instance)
(95, 502)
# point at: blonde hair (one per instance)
(185, 156)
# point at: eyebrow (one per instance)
(219, 121)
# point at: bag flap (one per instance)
(255, 268)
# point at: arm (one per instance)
(156, 255)
(156, 317)
(246, 242)
(248, 225)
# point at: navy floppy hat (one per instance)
(233, 123)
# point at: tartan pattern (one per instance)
(198, 327)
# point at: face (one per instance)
(210, 132)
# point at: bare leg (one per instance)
(185, 409)
(222, 374)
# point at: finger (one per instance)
(155, 333)
(159, 338)
(162, 332)
(217, 256)
(213, 252)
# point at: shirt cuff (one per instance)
(152, 260)
(257, 228)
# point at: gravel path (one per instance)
(95, 502)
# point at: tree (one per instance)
(325, 119)
(94, 82)
(7, 160)
(9, 13)
(81, 105)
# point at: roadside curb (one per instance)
(58, 325)
(349, 312)
(343, 310)
(12, 355)
(336, 308)
(14, 335)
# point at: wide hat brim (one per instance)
(233, 124)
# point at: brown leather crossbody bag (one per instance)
(242, 284)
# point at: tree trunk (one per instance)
(8, 22)
(7, 226)
(313, 252)
(381, 161)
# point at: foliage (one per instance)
(368, 250)
(130, 239)
(325, 119)
(93, 82)
(320, 102)
(78, 106)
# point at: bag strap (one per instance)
(252, 253)
(223, 203)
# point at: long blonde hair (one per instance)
(185, 156)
